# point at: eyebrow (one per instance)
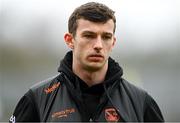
(88, 32)
(91, 32)
(107, 33)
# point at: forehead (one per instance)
(97, 27)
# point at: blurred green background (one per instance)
(147, 47)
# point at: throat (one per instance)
(91, 78)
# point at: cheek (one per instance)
(80, 49)
(108, 51)
(108, 48)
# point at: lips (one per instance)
(95, 57)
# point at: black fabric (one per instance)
(25, 110)
(67, 91)
(152, 112)
(90, 95)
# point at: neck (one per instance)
(91, 77)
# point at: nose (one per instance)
(98, 44)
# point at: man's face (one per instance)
(92, 44)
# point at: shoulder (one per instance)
(136, 94)
(42, 93)
(143, 102)
(44, 90)
(152, 111)
(47, 86)
(25, 110)
(132, 89)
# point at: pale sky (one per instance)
(145, 24)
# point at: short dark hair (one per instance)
(92, 11)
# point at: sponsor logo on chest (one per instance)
(111, 115)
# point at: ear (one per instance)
(114, 41)
(69, 40)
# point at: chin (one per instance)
(94, 67)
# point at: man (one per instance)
(89, 86)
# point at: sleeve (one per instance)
(25, 110)
(152, 112)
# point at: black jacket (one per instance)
(66, 97)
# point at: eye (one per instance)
(106, 37)
(89, 36)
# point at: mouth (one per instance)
(95, 57)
